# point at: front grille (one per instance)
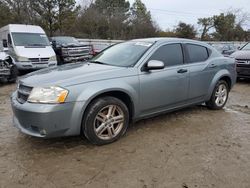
(38, 60)
(23, 93)
(243, 61)
(34, 59)
(82, 51)
(44, 59)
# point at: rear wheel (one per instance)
(219, 97)
(106, 120)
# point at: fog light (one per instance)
(43, 132)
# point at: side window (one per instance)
(9, 40)
(197, 53)
(170, 54)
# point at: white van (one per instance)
(28, 45)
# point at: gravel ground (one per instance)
(194, 147)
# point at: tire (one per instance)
(219, 98)
(105, 120)
(13, 74)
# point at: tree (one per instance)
(224, 25)
(207, 24)
(91, 24)
(184, 30)
(5, 14)
(20, 11)
(67, 12)
(55, 15)
(239, 33)
(115, 13)
(141, 21)
(228, 26)
(167, 33)
(48, 14)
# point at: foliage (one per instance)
(184, 30)
(5, 17)
(115, 19)
(227, 26)
(207, 24)
(141, 24)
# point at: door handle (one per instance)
(181, 71)
(213, 66)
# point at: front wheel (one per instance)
(106, 120)
(219, 97)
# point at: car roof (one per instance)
(62, 37)
(170, 39)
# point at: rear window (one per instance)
(197, 53)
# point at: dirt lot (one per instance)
(194, 147)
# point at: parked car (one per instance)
(124, 83)
(8, 70)
(243, 61)
(225, 49)
(28, 45)
(68, 50)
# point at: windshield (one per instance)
(123, 54)
(246, 47)
(30, 39)
(65, 40)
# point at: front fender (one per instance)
(87, 92)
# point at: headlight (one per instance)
(22, 59)
(65, 51)
(53, 58)
(49, 95)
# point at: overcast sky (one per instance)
(168, 13)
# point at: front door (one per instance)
(166, 88)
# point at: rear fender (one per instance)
(217, 77)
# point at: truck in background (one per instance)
(69, 50)
(28, 45)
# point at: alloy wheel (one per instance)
(109, 122)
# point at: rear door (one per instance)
(201, 71)
(166, 88)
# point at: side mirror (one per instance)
(154, 65)
(53, 43)
(5, 43)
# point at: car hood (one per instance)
(35, 52)
(242, 54)
(72, 74)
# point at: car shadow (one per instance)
(243, 81)
(63, 143)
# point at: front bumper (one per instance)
(4, 72)
(35, 65)
(47, 120)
